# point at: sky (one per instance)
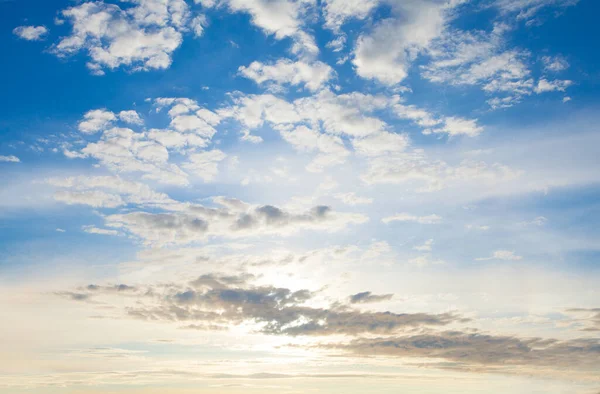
(299, 196)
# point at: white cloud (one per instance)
(282, 18)
(205, 164)
(124, 150)
(93, 198)
(131, 117)
(425, 261)
(527, 9)
(337, 44)
(198, 24)
(247, 136)
(506, 255)
(100, 231)
(387, 52)
(9, 159)
(141, 37)
(352, 199)
(312, 76)
(331, 149)
(380, 144)
(425, 247)
(337, 12)
(556, 85)
(555, 63)
(457, 126)
(481, 59)
(103, 191)
(96, 120)
(538, 221)
(433, 175)
(30, 33)
(407, 217)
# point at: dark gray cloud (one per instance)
(194, 222)
(486, 350)
(368, 297)
(221, 300)
(588, 317)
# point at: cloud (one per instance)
(587, 318)
(283, 19)
(124, 150)
(100, 231)
(406, 217)
(96, 120)
(425, 247)
(556, 85)
(492, 352)
(331, 149)
(93, 198)
(367, 297)
(555, 63)
(352, 199)
(107, 191)
(9, 159)
(311, 76)
(205, 164)
(506, 255)
(30, 33)
(141, 37)
(527, 9)
(196, 223)
(381, 143)
(221, 301)
(337, 12)
(386, 53)
(415, 167)
(131, 117)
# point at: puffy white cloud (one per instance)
(556, 85)
(131, 117)
(407, 217)
(507, 255)
(124, 150)
(312, 76)
(386, 53)
(337, 12)
(141, 37)
(9, 159)
(481, 59)
(282, 18)
(96, 120)
(30, 33)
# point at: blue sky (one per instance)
(188, 184)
